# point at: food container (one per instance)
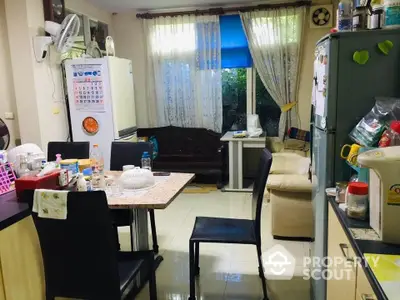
(357, 200)
(71, 165)
(360, 18)
(376, 20)
(392, 14)
(341, 187)
(84, 164)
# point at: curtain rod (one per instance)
(221, 10)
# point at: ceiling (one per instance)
(121, 5)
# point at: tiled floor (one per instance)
(227, 271)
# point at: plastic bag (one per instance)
(369, 130)
(137, 179)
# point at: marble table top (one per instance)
(157, 197)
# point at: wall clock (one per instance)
(54, 10)
(321, 16)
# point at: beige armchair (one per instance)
(290, 197)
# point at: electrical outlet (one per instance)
(9, 116)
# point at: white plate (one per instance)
(331, 191)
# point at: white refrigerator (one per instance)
(101, 102)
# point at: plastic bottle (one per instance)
(97, 164)
(81, 184)
(146, 161)
(391, 137)
(357, 200)
(345, 15)
(58, 159)
(87, 175)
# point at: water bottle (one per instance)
(345, 15)
(146, 161)
(97, 164)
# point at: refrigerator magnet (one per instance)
(385, 47)
(361, 57)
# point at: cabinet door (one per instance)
(364, 289)
(342, 286)
(2, 292)
(21, 262)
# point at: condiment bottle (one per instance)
(357, 200)
(81, 184)
(391, 137)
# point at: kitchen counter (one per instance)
(363, 239)
(11, 211)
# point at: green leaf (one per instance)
(361, 57)
(385, 46)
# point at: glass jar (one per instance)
(357, 200)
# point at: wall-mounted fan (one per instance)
(321, 16)
(62, 36)
(4, 136)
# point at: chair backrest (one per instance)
(79, 253)
(125, 153)
(68, 150)
(264, 167)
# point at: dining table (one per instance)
(159, 196)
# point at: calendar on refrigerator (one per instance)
(88, 87)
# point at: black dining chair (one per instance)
(80, 150)
(125, 153)
(80, 256)
(232, 231)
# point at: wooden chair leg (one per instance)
(261, 273)
(192, 278)
(153, 231)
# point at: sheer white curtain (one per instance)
(184, 71)
(275, 39)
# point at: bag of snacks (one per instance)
(369, 130)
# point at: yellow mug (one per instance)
(351, 157)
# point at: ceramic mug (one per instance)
(351, 157)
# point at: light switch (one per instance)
(9, 115)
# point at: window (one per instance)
(242, 89)
(164, 39)
(234, 98)
(290, 34)
(268, 111)
(99, 32)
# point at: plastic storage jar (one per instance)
(357, 200)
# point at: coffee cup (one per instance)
(352, 154)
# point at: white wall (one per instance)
(38, 86)
(130, 43)
(310, 38)
(7, 95)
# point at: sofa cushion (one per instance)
(289, 183)
(289, 163)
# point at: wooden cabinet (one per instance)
(339, 247)
(364, 290)
(2, 292)
(21, 266)
(356, 286)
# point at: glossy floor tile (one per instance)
(226, 271)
